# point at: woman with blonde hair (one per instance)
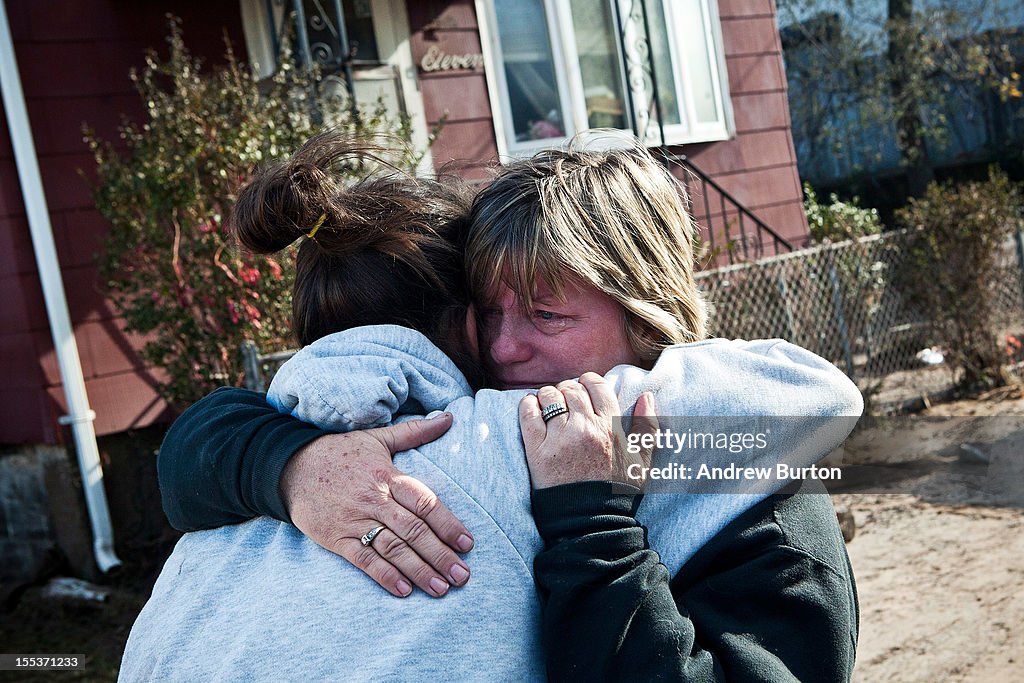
(613, 220)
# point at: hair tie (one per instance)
(316, 226)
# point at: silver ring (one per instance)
(368, 537)
(553, 410)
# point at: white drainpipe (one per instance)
(81, 416)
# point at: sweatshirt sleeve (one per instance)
(221, 461)
(747, 607)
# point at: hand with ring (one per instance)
(343, 492)
(572, 433)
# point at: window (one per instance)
(561, 66)
(378, 35)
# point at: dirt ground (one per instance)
(939, 550)
(97, 631)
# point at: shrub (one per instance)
(957, 242)
(838, 220)
(171, 270)
(859, 271)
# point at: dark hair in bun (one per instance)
(385, 249)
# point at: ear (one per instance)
(472, 340)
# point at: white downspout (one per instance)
(81, 416)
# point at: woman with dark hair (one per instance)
(543, 320)
(378, 251)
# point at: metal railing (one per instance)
(731, 232)
(261, 367)
(314, 35)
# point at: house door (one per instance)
(374, 32)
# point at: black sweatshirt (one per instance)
(221, 461)
(770, 598)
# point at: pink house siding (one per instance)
(758, 166)
(74, 57)
(468, 133)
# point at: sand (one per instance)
(939, 562)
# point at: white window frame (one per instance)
(391, 29)
(570, 85)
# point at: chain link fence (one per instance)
(842, 302)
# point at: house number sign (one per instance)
(437, 59)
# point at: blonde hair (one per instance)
(616, 220)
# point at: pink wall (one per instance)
(74, 57)
(758, 166)
(468, 133)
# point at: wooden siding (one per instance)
(74, 57)
(758, 166)
(467, 138)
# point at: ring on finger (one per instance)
(368, 537)
(552, 410)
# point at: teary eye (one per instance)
(549, 321)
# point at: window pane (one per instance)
(663, 71)
(322, 28)
(359, 22)
(599, 63)
(529, 69)
(693, 40)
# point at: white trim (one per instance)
(720, 128)
(567, 54)
(258, 38)
(558, 58)
(680, 65)
(395, 44)
(64, 343)
(562, 41)
(721, 73)
(691, 130)
(497, 85)
(494, 75)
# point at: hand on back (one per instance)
(342, 486)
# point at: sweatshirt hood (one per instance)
(365, 377)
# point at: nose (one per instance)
(506, 345)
